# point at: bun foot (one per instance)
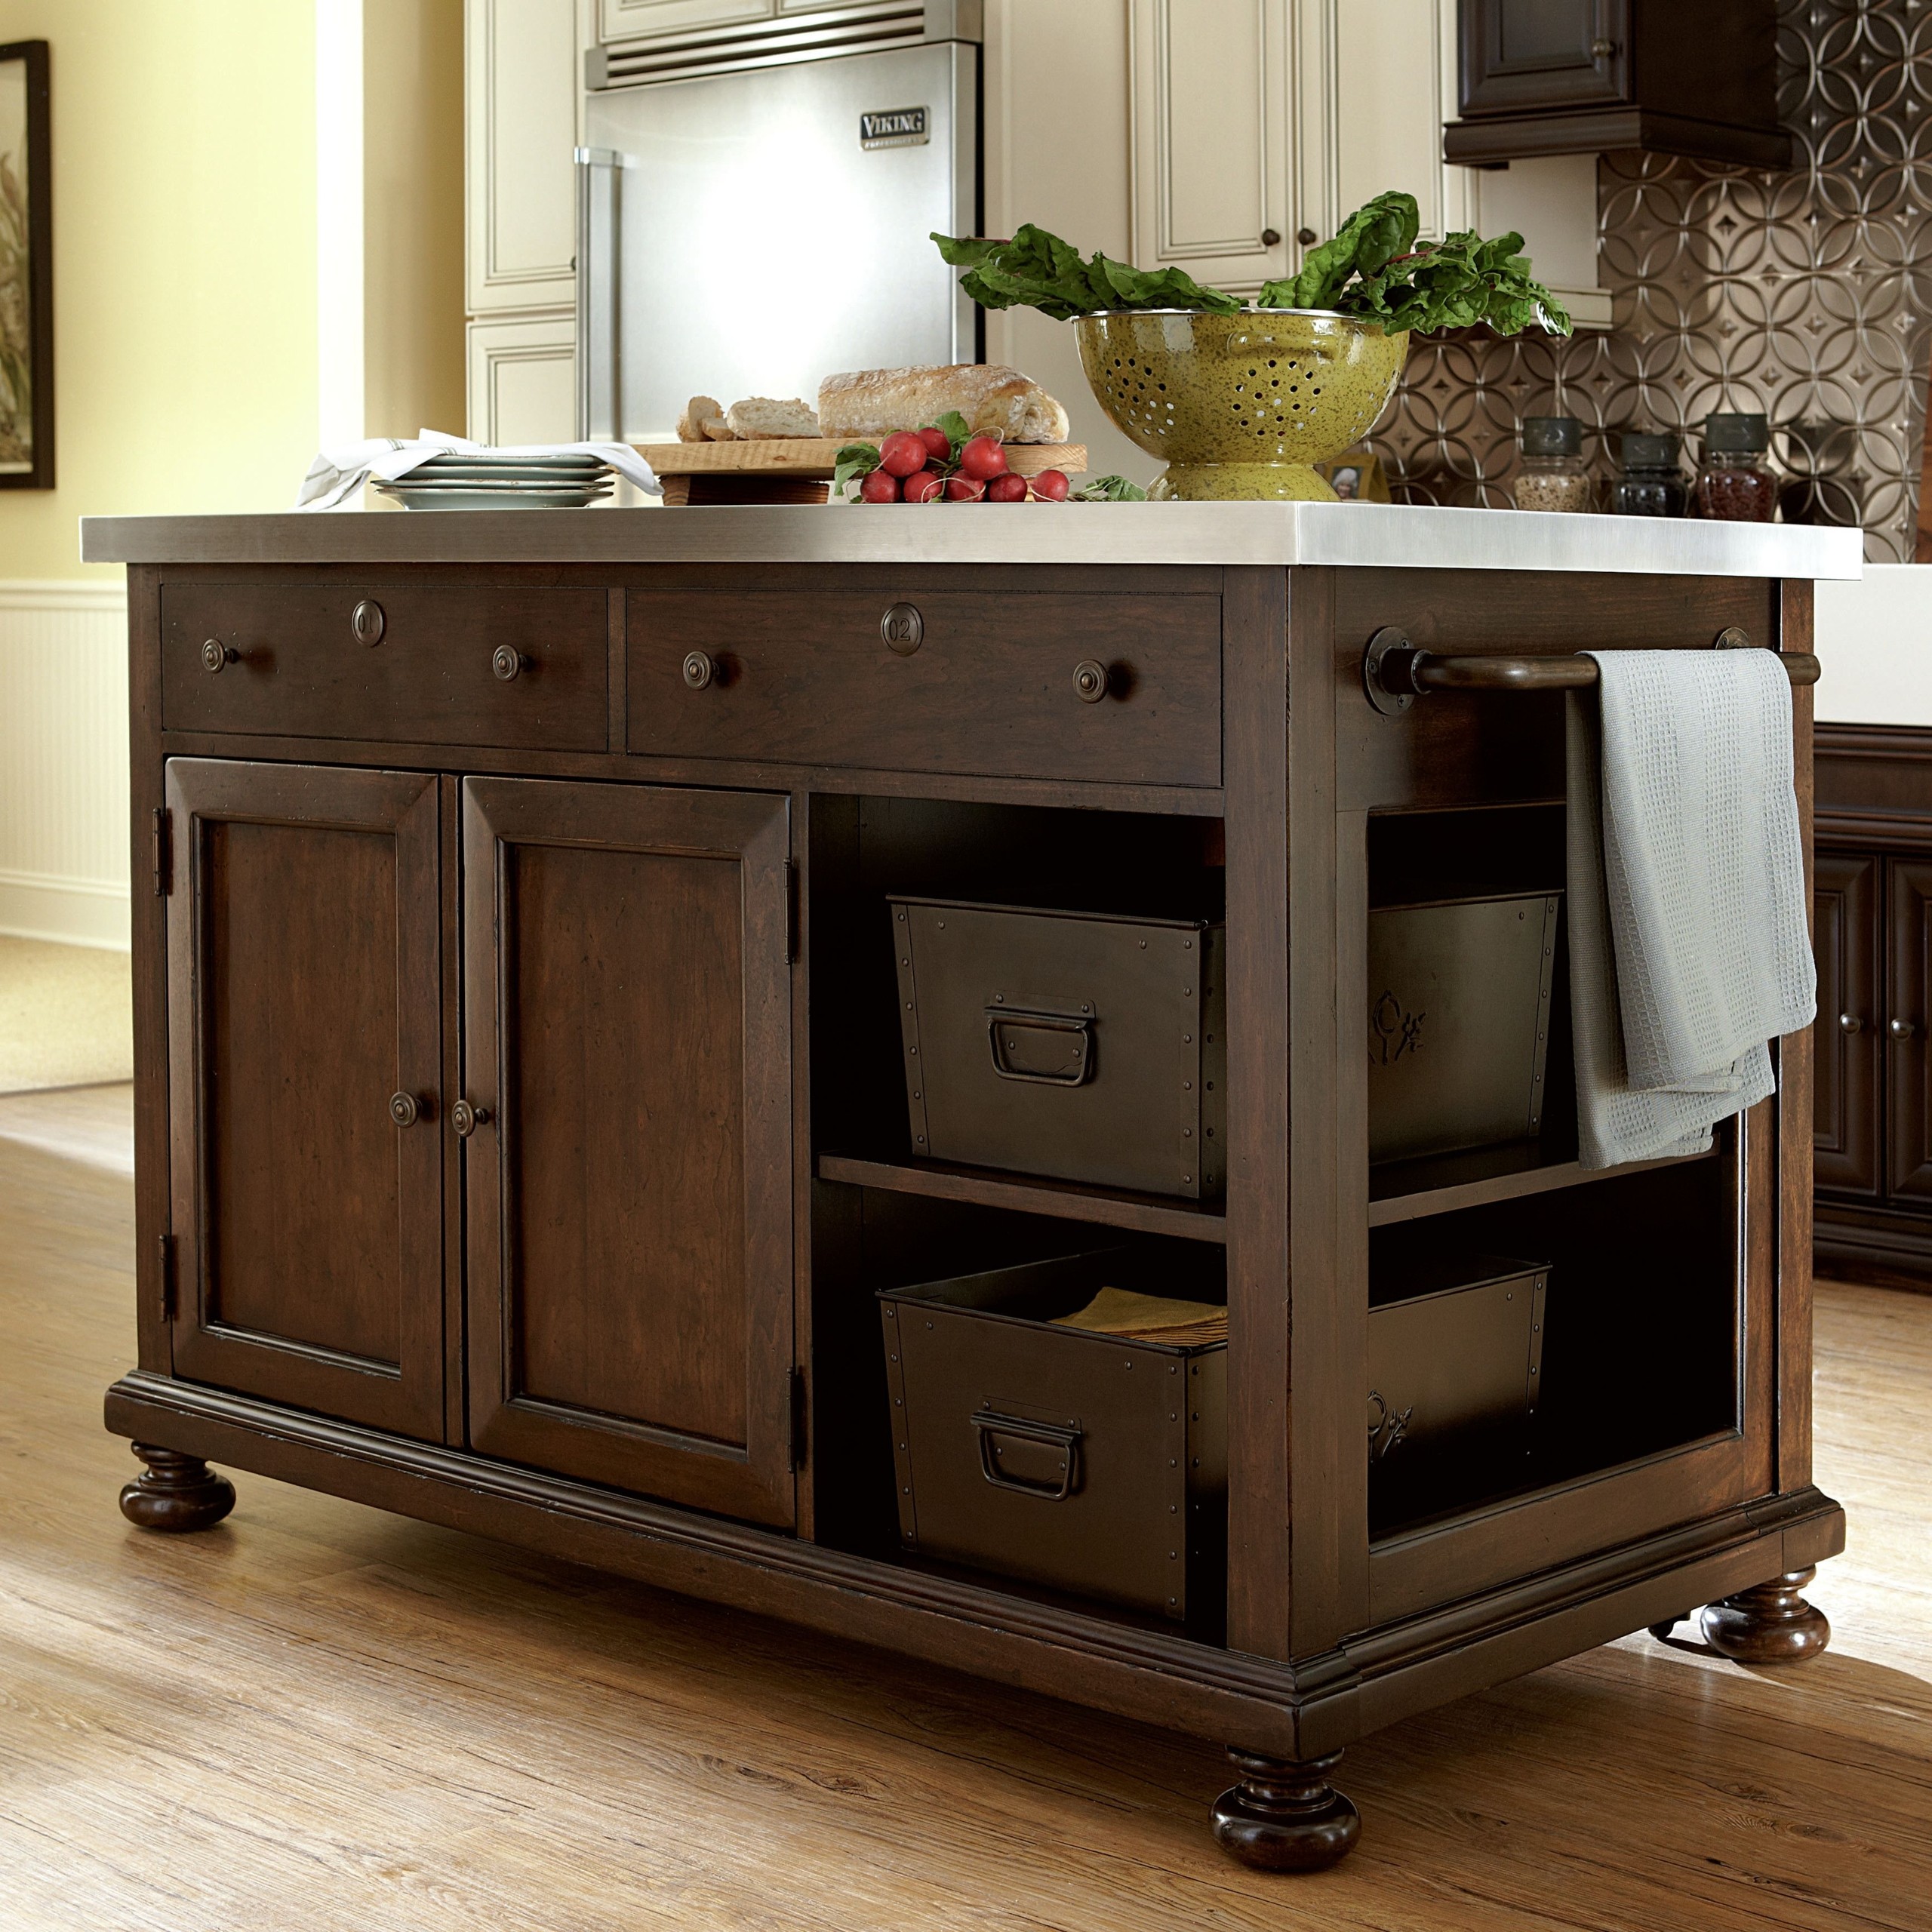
(1771, 1624)
(1662, 1629)
(176, 1492)
(1285, 1817)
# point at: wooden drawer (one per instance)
(987, 687)
(411, 664)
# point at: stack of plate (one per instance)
(480, 480)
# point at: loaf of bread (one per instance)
(704, 421)
(760, 419)
(871, 403)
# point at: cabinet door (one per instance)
(627, 1029)
(627, 20)
(523, 380)
(1212, 172)
(304, 1042)
(1908, 920)
(1520, 56)
(520, 97)
(1847, 896)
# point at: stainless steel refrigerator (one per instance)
(755, 204)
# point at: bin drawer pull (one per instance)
(991, 1425)
(1074, 1071)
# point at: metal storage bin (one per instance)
(1070, 1044)
(1455, 1367)
(1085, 1462)
(1459, 996)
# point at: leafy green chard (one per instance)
(1374, 269)
(1108, 490)
(1037, 270)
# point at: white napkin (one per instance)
(1690, 946)
(336, 475)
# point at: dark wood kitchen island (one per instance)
(521, 1096)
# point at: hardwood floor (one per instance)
(319, 1716)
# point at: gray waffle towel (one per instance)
(1690, 949)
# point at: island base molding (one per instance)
(1292, 1712)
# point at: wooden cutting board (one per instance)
(797, 469)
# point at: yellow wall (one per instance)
(184, 263)
(412, 214)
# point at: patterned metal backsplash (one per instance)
(1806, 295)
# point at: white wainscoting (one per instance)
(63, 762)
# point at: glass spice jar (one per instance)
(1552, 477)
(1736, 483)
(1649, 483)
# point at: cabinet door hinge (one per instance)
(791, 913)
(799, 1450)
(164, 854)
(167, 1292)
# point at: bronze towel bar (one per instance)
(1395, 672)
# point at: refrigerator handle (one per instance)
(598, 174)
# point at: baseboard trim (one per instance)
(55, 593)
(68, 911)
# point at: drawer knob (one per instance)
(1850, 1022)
(367, 622)
(1270, 237)
(217, 657)
(1902, 1029)
(700, 668)
(508, 663)
(466, 1118)
(1601, 50)
(404, 1110)
(1089, 681)
(901, 627)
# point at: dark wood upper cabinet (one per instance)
(304, 1038)
(1908, 893)
(628, 1040)
(1848, 899)
(1543, 77)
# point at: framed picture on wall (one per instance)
(27, 270)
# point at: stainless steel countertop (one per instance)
(1365, 534)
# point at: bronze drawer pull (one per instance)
(1850, 1022)
(507, 663)
(367, 621)
(1076, 1032)
(217, 657)
(903, 628)
(1395, 672)
(1089, 681)
(466, 1118)
(700, 669)
(404, 1110)
(990, 1425)
(1902, 1029)
(1601, 50)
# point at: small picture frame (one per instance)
(26, 269)
(1356, 476)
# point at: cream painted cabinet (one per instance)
(1255, 127)
(523, 378)
(1213, 171)
(629, 20)
(520, 128)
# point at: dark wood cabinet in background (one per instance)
(628, 1051)
(1872, 915)
(1848, 899)
(305, 1034)
(1542, 77)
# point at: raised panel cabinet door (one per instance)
(1908, 933)
(1521, 56)
(627, 1050)
(304, 1048)
(1212, 171)
(1847, 895)
(626, 19)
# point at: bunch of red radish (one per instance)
(918, 466)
